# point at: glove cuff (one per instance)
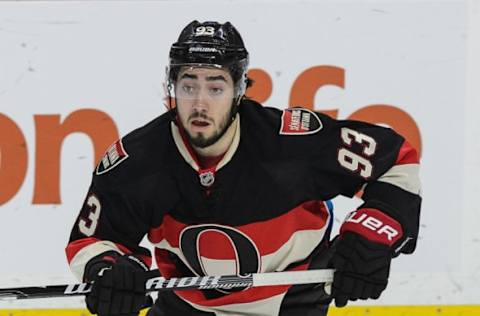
(134, 261)
(374, 225)
(105, 260)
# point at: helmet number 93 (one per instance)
(204, 31)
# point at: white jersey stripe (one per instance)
(296, 249)
(79, 261)
(403, 176)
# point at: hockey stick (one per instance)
(158, 283)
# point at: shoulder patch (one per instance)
(299, 121)
(114, 155)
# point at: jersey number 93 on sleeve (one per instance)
(88, 226)
(352, 161)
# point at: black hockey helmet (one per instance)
(210, 44)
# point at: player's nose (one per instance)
(201, 102)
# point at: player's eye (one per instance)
(216, 91)
(188, 89)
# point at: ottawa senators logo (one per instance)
(299, 121)
(216, 249)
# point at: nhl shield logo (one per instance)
(207, 178)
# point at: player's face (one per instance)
(204, 99)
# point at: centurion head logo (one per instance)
(114, 155)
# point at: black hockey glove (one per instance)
(118, 285)
(362, 255)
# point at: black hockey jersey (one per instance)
(261, 209)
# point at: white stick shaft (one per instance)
(158, 283)
(293, 277)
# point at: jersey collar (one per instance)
(189, 155)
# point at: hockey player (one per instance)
(222, 185)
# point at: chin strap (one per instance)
(234, 110)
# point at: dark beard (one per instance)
(201, 141)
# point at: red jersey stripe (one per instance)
(74, 247)
(407, 155)
(311, 215)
